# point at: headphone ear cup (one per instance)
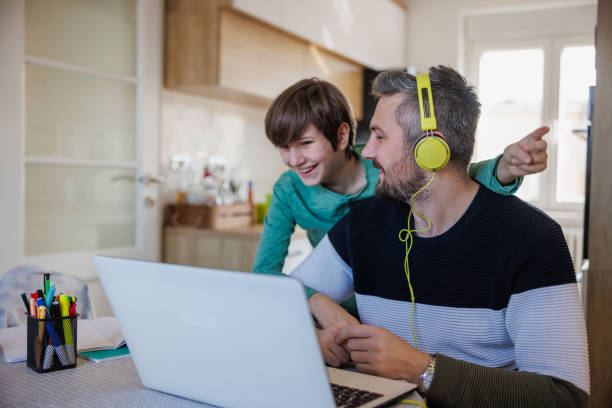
(431, 153)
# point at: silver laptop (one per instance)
(231, 339)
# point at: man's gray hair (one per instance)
(456, 107)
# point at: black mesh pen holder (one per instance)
(52, 343)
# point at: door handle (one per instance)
(146, 180)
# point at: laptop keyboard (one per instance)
(347, 397)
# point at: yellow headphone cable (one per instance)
(408, 240)
(405, 235)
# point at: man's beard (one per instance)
(402, 180)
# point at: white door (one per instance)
(79, 114)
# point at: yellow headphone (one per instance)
(431, 151)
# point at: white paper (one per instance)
(14, 343)
(109, 327)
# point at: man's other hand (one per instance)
(334, 354)
(527, 156)
(379, 352)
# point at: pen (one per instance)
(25, 302)
(48, 357)
(55, 309)
(49, 296)
(41, 331)
(33, 307)
(40, 294)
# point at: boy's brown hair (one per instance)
(309, 101)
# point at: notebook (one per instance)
(101, 356)
(225, 338)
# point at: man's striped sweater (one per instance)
(496, 298)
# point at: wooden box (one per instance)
(218, 217)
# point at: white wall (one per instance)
(433, 26)
(201, 127)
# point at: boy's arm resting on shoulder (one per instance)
(504, 174)
(545, 322)
(485, 172)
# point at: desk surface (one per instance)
(110, 384)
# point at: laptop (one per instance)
(231, 339)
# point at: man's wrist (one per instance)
(426, 377)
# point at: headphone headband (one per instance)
(431, 152)
(424, 87)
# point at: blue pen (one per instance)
(50, 294)
(57, 344)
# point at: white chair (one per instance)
(28, 279)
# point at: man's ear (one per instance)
(344, 133)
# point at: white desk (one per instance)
(109, 384)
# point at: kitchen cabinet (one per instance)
(215, 50)
(228, 249)
(371, 33)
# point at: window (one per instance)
(511, 97)
(524, 86)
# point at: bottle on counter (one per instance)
(250, 192)
(211, 188)
(179, 179)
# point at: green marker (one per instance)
(46, 276)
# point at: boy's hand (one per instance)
(527, 156)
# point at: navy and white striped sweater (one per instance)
(497, 289)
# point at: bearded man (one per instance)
(469, 294)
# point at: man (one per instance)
(497, 319)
